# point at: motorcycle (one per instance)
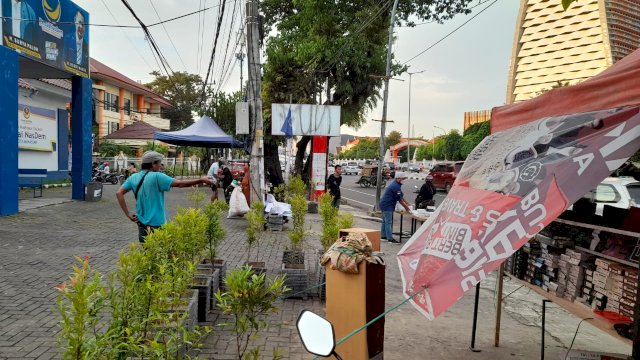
(112, 178)
(317, 334)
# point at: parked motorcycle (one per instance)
(112, 178)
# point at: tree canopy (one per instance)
(393, 138)
(184, 91)
(336, 45)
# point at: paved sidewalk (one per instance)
(37, 249)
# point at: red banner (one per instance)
(511, 186)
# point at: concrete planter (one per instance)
(296, 279)
(221, 266)
(203, 283)
(258, 267)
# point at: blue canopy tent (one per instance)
(203, 133)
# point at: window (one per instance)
(606, 193)
(127, 106)
(111, 102)
(112, 126)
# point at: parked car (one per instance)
(621, 192)
(444, 174)
(410, 168)
(351, 169)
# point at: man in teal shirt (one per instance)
(149, 186)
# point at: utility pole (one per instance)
(376, 206)
(255, 102)
(409, 125)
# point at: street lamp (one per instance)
(434, 140)
(409, 125)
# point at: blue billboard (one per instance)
(53, 32)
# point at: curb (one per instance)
(48, 186)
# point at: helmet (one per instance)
(428, 178)
(106, 163)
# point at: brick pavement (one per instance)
(37, 249)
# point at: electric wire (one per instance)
(226, 52)
(432, 21)
(450, 33)
(213, 54)
(333, 60)
(168, 35)
(163, 61)
(574, 337)
(127, 36)
(200, 39)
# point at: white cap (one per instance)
(401, 175)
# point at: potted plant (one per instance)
(332, 222)
(293, 262)
(249, 299)
(214, 235)
(255, 228)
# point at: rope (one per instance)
(300, 292)
(375, 319)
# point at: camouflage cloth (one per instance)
(347, 253)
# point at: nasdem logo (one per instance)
(52, 9)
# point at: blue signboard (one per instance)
(53, 32)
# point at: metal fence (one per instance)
(174, 166)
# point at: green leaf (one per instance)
(567, 3)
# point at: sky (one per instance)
(467, 71)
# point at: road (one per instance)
(364, 198)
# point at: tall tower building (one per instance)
(553, 47)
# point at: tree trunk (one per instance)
(302, 147)
(272, 163)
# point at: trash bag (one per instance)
(238, 205)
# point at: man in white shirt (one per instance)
(213, 175)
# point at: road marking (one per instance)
(359, 192)
(359, 202)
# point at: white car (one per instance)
(621, 192)
(350, 170)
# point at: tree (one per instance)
(339, 44)
(452, 145)
(393, 138)
(184, 91)
(364, 149)
(473, 135)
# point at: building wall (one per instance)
(51, 98)
(476, 117)
(553, 46)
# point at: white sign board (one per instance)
(37, 128)
(313, 120)
(319, 171)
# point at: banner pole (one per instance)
(475, 320)
(499, 305)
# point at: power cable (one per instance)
(198, 50)
(450, 33)
(163, 61)
(232, 60)
(334, 58)
(226, 52)
(213, 54)
(168, 35)
(127, 36)
(432, 21)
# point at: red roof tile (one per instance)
(139, 130)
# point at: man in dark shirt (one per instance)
(427, 191)
(392, 195)
(333, 184)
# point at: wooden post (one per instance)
(499, 305)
